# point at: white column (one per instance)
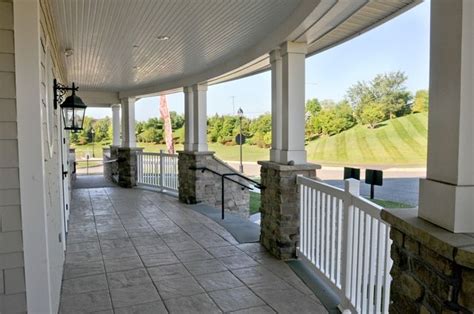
(188, 119)
(200, 118)
(293, 103)
(447, 194)
(277, 84)
(128, 122)
(33, 197)
(116, 124)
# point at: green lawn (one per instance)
(254, 206)
(401, 141)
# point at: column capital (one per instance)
(275, 55)
(127, 99)
(293, 47)
(199, 87)
(187, 89)
(115, 106)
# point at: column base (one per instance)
(188, 147)
(295, 157)
(275, 155)
(200, 147)
(448, 206)
(280, 206)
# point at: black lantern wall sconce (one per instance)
(73, 108)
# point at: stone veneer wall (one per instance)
(196, 186)
(110, 169)
(433, 269)
(280, 207)
(127, 166)
(12, 274)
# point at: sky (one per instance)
(402, 44)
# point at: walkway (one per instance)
(91, 181)
(136, 251)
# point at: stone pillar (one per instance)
(128, 122)
(293, 103)
(447, 194)
(280, 206)
(189, 189)
(188, 119)
(196, 186)
(433, 269)
(275, 60)
(115, 125)
(127, 166)
(199, 118)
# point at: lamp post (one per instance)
(240, 113)
(93, 138)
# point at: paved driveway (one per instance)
(403, 190)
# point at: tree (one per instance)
(151, 135)
(421, 102)
(387, 89)
(313, 106)
(177, 120)
(372, 114)
(101, 128)
(84, 136)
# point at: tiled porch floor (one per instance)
(136, 251)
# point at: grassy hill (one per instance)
(401, 141)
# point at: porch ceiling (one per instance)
(116, 47)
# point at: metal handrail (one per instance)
(224, 176)
(220, 175)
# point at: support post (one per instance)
(115, 124)
(277, 84)
(188, 119)
(447, 194)
(128, 122)
(199, 117)
(293, 103)
(351, 188)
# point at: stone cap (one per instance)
(283, 167)
(457, 247)
(195, 153)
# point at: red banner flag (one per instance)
(167, 130)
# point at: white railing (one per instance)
(344, 240)
(158, 170)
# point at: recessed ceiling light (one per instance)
(68, 52)
(135, 46)
(136, 68)
(162, 37)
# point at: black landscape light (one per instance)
(73, 107)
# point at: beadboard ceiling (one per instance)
(116, 47)
(115, 41)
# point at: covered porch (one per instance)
(132, 250)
